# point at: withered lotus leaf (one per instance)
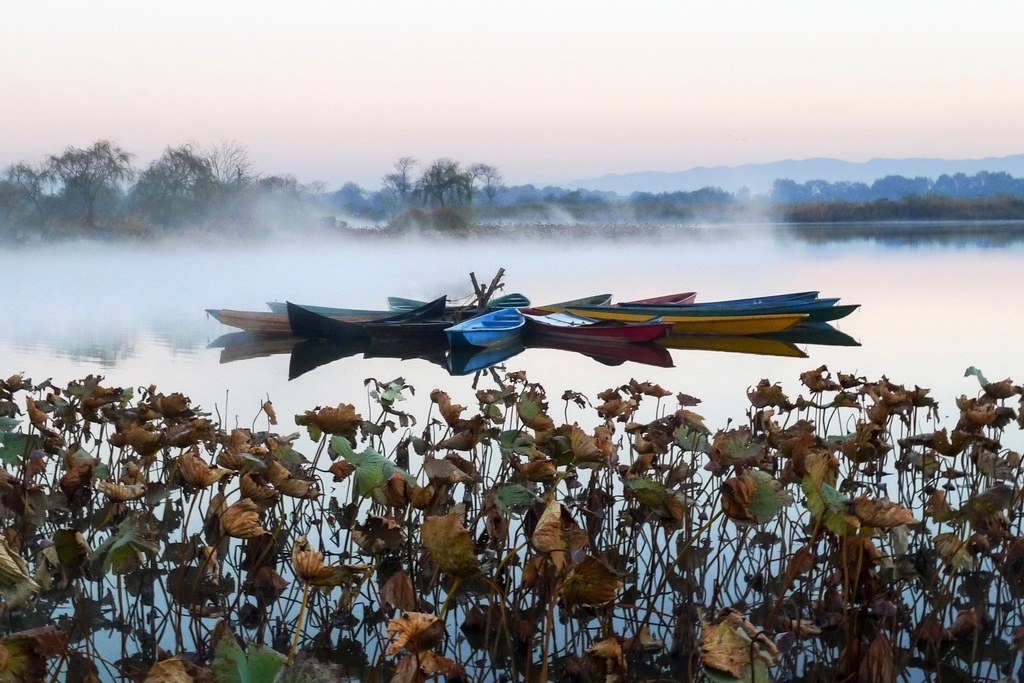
(585, 451)
(591, 582)
(822, 468)
(532, 410)
(414, 632)
(145, 440)
(444, 472)
(975, 415)
(735, 447)
(398, 592)
(800, 563)
(268, 408)
(253, 487)
(931, 633)
(540, 470)
(818, 380)
(268, 583)
(23, 655)
(557, 535)
(878, 664)
(464, 440)
(803, 628)
(170, 670)
(766, 394)
(35, 416)
(75, 481)
(618, 408)
(648, 389)
(450, 544)
(432, 665)
(341, 421)
(309, 567)
(378, 535)
(298, 488)
(397, 490)
(968, 622)
(610, 651)
(197, 472)
(733, 644)
(16, 585)
(451, 412)
(767, 499)
(737, 493)
(170, 406)
(242, 520)
(881, 514)
(120, 493)
(341, 469)
(953, 551)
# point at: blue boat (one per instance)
(497, 327)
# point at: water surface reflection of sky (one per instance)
(929, 309)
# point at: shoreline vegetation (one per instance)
(840, 534)
(192, 192)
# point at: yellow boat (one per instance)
(688, 324)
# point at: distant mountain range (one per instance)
(758, 178)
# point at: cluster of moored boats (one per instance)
(507, 320)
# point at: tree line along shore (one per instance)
(191, 190)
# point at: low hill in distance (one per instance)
(758, 178)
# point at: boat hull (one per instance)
(496, 328)
(684, 324)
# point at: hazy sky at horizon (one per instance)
(547, 91)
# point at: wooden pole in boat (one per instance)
(484, 295)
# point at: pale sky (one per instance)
(547, 91)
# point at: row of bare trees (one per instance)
(443, 183)
(92, 187)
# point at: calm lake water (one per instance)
(935, 299)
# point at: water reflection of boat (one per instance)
(759, 346)
(819, 334)
(310, 354)
(609, 354)
(245, 345)
(467, 360)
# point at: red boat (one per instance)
(607, 354)
(565, 325)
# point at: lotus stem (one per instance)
(298, 627)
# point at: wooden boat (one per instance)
(513, 300)
(665, 299)
(571, 326)
(817, 310)
(258, 322)
(687, 324)
(497, 327)
(645, 353)
(309, 325)
(592, 300)
(262, 322)
(679, 299)
(281, 307)
(758, 346)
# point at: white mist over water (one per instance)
(136, 314)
